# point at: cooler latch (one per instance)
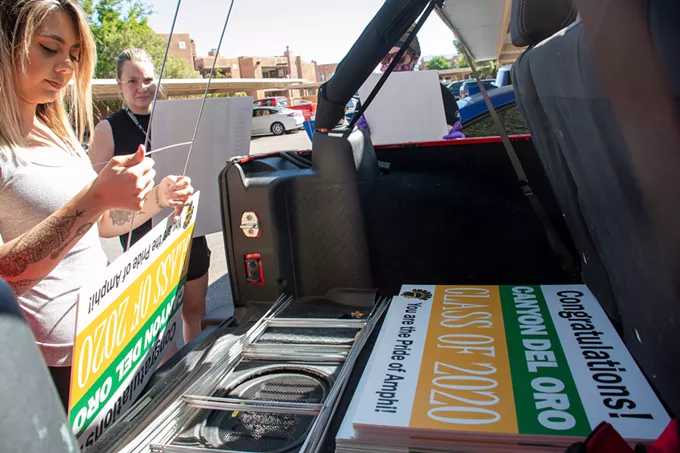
(254, 274)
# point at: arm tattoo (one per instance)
(120, 217)
(80, 232)
(21, 286)
(38, 243)
(158, 199)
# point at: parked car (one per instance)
(275, 101)
(454, 88)
(469, 87)
(503, 77)
(302, 105)
(276, 120)
(477, 122)
(474, 106)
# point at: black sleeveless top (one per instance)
(127, 137)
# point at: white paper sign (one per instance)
(408, 108)
(224, 132)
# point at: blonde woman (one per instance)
(54, 206)
(121, 134)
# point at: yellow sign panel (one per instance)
(98, 345)
(465, 382)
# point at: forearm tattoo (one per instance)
(122, 217)
(38, 243)
(21, 286)
(80, 232)
(158, 198)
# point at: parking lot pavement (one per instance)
(289, 142)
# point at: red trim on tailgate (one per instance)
(462, 141)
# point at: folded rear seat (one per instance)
(587, 162)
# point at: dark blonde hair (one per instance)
(132, 54)
(19, 20)
(136, 55)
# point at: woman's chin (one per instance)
(140, 107)
(48, 97)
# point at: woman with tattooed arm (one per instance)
(53, 205)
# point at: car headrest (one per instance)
(532, 21)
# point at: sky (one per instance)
(320, 30)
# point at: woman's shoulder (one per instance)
(115, 118)
(9, 162)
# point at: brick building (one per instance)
(325, 71)
(286, 66)
(181, 45)
(228, 66)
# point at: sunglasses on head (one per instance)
(406, 58)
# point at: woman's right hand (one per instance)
(125, 181)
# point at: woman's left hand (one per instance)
(174, 192)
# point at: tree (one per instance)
(121, 24)
(438, 63)
(485, 69)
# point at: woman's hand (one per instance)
(174, 192)
(124, 182)
(455, 132)
(362, 123)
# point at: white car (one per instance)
(276, 120)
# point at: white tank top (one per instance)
(29, 193)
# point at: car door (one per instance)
(274, 115)
(260, 120)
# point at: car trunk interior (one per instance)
(455, 214)
(445, 212)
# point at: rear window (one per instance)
(283, 102)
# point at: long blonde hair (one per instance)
(19, 20)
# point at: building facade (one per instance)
(286, 66)
(325, 71)
(181, 45)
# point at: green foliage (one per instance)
(486, 69)
(221, 74)
(511, 118)
(121, 24)
(438, 63)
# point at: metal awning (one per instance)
(107, 89)
(481, 25)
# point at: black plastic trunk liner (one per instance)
(434, 228)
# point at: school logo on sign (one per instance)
(420, 294)
(189, 216)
